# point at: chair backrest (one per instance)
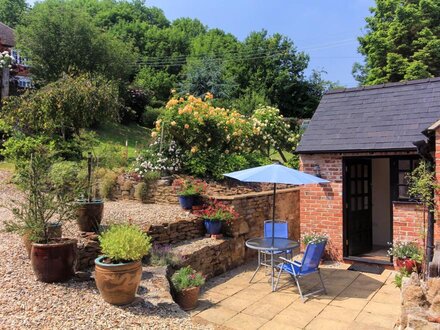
(312, 256)
(281, 229)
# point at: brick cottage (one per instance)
(365, 141)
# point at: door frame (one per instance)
(345, 199)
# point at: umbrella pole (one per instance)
(273, 212)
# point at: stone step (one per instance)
(209, 256)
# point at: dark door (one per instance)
(359, 228)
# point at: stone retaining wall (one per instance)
(88, 250)
(420, 304)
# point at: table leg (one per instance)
(256, 270)
(272, 266)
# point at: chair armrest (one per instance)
(293, 262)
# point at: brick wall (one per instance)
(437, 173)
(321, 205)
(408, 222)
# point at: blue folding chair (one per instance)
(308, 265)
(281, 230)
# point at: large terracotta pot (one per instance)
(54, 230)
(409, 264)
(54, 262)
(187, 298)
(90, 215)
(118, 283)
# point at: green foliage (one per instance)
(123, 243)
(186, 278)
(314, 238)
(189, 187)
(250, 101)
(111, 156)
(150, 116)
(63, 107)
(45, 201)
(398, 278)
(107, 180)
(406, 250)
(12, 11)
(162, 255)
(402, 42)
(65, 176)
(58, 36)
(422, 184)
(140, 191)
(20, 147)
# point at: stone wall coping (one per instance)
(254, 194)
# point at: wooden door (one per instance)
(359, 227)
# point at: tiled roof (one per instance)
(7, 35)
(373, 118)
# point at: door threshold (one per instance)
(368, 260)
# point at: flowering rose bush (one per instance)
(194, 136)
(5, 60)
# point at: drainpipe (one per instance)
(423, 148)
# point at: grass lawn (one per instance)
(117, 134)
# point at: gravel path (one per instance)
(28, 304)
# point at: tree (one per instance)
(12, 11)
(402, 42)
(57, 37)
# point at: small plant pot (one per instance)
(90, 215)
(187, 298)
(409, 265)
(54, 230)
(186, 202)
(118, 283)
(55, 261)
(213, 227)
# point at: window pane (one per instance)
(403, 191)
(360, 203)
(359, 187)
(366, 171)
(366, 186)
(403, 178)
(366, 203)
(353, 203)
(404, 164)
(352, 171)
(353, 187)
(359, 171)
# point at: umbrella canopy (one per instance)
(275, 173)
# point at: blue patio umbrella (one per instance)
(275, 173)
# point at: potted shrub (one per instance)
(186, 283)
(407, 255)
(118, 271)
(215, 214)
(90, 209)
(45, 206)
(188, 191)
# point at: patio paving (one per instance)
(354, 300)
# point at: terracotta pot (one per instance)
(54, 262)
(90, 215)
(187, 298)
(54, 230)
(118, 283)
(409, 264)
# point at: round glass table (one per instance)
(270, 246)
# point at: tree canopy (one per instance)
(402, 42)
(130, 42)
(12, 11)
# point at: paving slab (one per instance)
(244, 322)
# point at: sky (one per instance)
(327, 30)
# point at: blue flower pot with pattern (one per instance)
(213, 227)
(186, 202)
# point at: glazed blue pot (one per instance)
(213, 227)
(186, 202)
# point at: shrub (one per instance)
(189, 187)
(65, 176)
(308, 238)
(111, 156)
(162, 255)
(140, 191)
(149, 116)
(406, 250)
(186, 278)
(107, 181)
(124, 243)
